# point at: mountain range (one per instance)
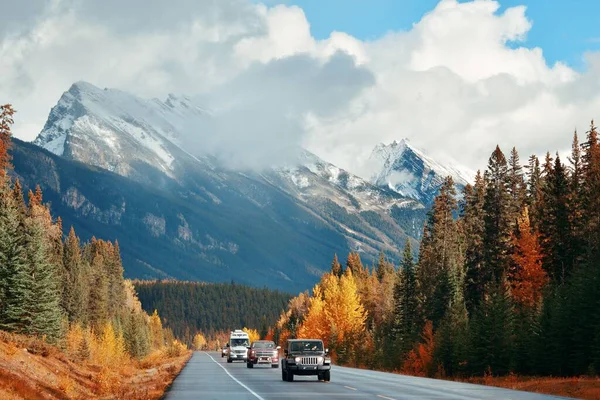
(116, 166)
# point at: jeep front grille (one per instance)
(309, 361)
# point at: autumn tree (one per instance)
(419, 361)
(6, 121)
(528, 278)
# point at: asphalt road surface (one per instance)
(208, 376)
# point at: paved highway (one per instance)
(208, 376)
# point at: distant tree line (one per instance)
(507, 280)
(191, 307)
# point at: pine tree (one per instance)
(534, 191)
(555, 228)
(474, 230)
(76, 287)
(336, 267)
(497, 219)
(591, 176)
(491, 333)
(383, 267)
(405, 323)
(438, 249)
(516, 186)
(15, 280)
(44, 305)
(98, 296)
(575, 204)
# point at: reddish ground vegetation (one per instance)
(580, 388)
(32, 369)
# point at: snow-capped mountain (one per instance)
(280, 225)
(114, 130)
(410, 172)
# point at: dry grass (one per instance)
(33, 369)
(577, 387)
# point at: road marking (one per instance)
(384, 397)
(235, 379)
(350, 387)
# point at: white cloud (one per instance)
(458, 82)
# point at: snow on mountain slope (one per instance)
(314, 177)
(113, 129)
(411, 173)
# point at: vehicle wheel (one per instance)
(326, 376)
(274, 365)
(229, 360)
(320, 376)
(249, 365)
(283, 374)
(290, 376)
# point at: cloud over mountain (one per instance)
(458, 82)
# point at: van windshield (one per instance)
(239, 342)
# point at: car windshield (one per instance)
(239, 342)
(307, 345)
(264, 345)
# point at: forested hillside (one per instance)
(191, 307)
(69, 294)
(507, 280)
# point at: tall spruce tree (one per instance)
(44, 305)
(534, 191)
(15, 279)
(406, 325)
(497, 219)
(575, 204)
(591, 175)
(555, 228)
(474, 230)
(516, 186)
(438, 251)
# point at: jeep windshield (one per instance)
(306, 346)
(239, 342)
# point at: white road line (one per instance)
(235, 379)
(350, 387)
(384, 397)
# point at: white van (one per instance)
(239, 341)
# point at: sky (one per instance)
(337, 77)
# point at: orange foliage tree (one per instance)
(315, 323)
(6, 120)
(527, 278)
(419, 361)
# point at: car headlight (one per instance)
(320, 359)
(297, 360)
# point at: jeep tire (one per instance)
(249, 364)
(326, 376)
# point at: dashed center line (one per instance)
(350, 387)
(384, 397)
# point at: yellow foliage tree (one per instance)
(344, 312)
(157, 339)
(199, 341)
(110, 347)
(253, 333)
(315, 323)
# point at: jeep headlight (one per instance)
(320, 359)
(298, 359)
